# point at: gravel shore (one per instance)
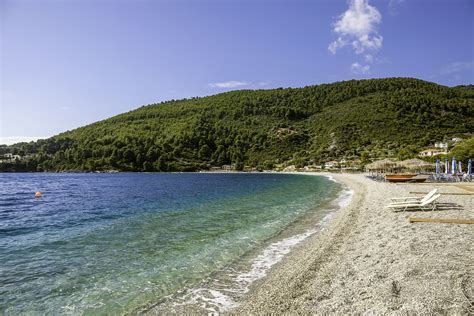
(370, 259)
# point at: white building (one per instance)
(11, 157)
(442, 145)
(331, 164)
(431, 152)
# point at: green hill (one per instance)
(262, 128)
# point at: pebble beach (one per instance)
(369, 259)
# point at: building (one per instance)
(9, 158)
(331, 164)
(431, 152)
(313, 168)
(442, 145)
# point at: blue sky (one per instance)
(65, 64)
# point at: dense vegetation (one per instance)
(357, 119)
(464, 150)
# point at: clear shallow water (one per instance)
(116, 243)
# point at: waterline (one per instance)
(139, 238)
(223, 291)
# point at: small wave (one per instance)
(213, 301)
(270, 256)
(345, 198)
(330, 178)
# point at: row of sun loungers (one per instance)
(450, 178)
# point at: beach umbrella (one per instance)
(460, 167)
(437, 166)
(469, 167)
(446, 165)
(381, 165)
(416, 164)
(453, 167)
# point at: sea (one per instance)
(129, 243)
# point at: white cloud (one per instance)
(358, 27)
(9, 140)
(228, 84)
(393, 6)
(369, 58)
(334, 46)
(359, 69)
(457, 67)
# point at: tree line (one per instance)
(357, 119)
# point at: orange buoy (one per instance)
(38, 194)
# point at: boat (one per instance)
(406, 177)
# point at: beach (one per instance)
(369, 259)
(284, 243)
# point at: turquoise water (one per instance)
(118, 243)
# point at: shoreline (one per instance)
(349, 254)
(370, 259)
(236, 279)
(286, 267)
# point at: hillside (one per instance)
(261, 128)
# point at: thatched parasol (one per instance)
(416, 164)
(383, 164)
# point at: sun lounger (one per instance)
(414, 198)
(424, 199)
(428, 205)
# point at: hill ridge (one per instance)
(351, 119)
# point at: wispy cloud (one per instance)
(9, 140)
(65, 108)
(457, 67)
(369, 58)
(228, 84)
(358, 27)
(393, 6)
(359, 69)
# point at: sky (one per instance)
(68, 63)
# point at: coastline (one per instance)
(349, 254)
(370, 259)
(223, 290)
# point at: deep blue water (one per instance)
(113, 243)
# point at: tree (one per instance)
(147, 166)
(465, 150)
(204, 152)
(407, 152)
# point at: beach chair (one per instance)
(428, 205)
(413, 198)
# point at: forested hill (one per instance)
(262, 128)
